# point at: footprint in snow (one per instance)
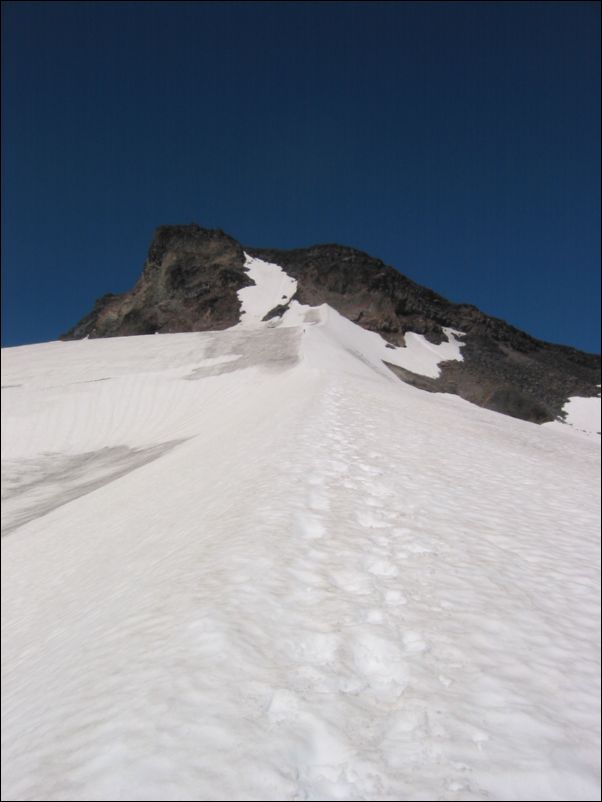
(283, 706)
(370, 469)
(310, 526)
(414, 642)
(352, 582)
(378, 658)
(378, 490)
(374, 616)
(383, 568)
(318, 500)
(395, 598)
(368, 519)
(418, 548)
(316, 648)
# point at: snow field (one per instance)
(294, 577)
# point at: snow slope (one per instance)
(273, 287)
(583, 414)
(253, 564)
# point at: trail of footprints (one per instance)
(363, 648)
(363, 536)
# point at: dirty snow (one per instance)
(303, 579)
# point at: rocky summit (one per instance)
(192, 275)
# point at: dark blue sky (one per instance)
(459, 142)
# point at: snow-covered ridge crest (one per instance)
(354, 348)
(274, 288)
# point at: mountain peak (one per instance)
(192, 278)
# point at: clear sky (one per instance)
(458, 142)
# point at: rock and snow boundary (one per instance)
(582, 415)
(274, 289)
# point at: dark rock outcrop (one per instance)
(189, 283)
(191, 278)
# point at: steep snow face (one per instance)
(273, 287)
(252, 564)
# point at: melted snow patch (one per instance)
(273, 287)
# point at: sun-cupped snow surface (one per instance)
(272, 288)
(251, 564)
